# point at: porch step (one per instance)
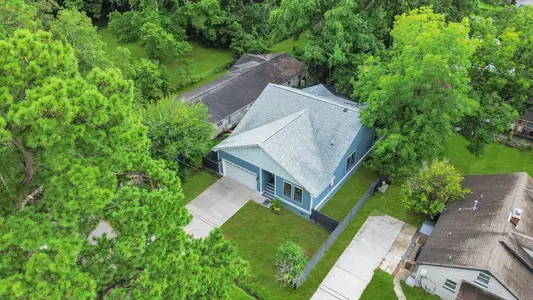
(269, 192)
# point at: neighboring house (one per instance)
(296, 145)
(524, 125)
(228, 98)
(487, 252)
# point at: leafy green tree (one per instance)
(290, 262)
(75, 28)
(15, 14)
(340, 36)
(151, 80)
(180, 132)
(432, 188)
(416, 91)
(162, 46)
(125, 26)
(71, 147)
(502, 74)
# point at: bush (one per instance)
(429, 191)
(290, 263)
(276, 207)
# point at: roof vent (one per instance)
(516, 215)
(331, 143)
(345, 109)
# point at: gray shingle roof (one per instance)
(485, 239)
(244, 83)
(305, 134)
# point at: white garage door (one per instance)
(239, 174)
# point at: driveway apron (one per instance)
(216, 205)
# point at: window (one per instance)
(483, 279)
(287, 189)
(529, 125)
(450, 285)
(298, 194)
(350, 162)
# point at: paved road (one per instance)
(354, 269)
(216, 205)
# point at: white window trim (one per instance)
(294, 187)
(449, 288)
(283, 191)
(354, 162)
(482, 283)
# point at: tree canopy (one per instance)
(417, 90)
(74, 154)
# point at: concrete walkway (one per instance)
(217, 204)
(354, 269)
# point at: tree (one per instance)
(162, 46)
(151, 80)
(179, 131)
(432, 188)
(71, 145)
(340, 36)
(502, 74)
(15, 14)
(417, 91)
(290, 263)
(75, 28)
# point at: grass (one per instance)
(198, 183)
(236, 293)
(345, 199)
(203, 58)
(496, 159)
(416, 293)
(289, 44)
(380, 287)
(258, 233)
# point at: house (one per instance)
(296, 145)
(483, 250)
(228, 98)
(520, 3)
(524, 125)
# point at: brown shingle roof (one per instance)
(485, 239)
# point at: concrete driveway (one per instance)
(354, 269)
(217, 204)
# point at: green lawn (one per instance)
(416, 293)
(203, 58)
(380, 287)
(289, 44)
(198, 183)
(258, 232)
(236, 293)
(496, 159)
(345, 199)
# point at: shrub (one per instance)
(276, 206)
(429, 191)
(290, 262)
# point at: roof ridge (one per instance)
(299, 113)
(301, 92)
(234, 77)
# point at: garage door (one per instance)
(239, 174)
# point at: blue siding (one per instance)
(361, 144)
(306, 203)
(244, 164)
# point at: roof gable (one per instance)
(306, 134)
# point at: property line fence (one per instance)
(210, 161)
(337, 232)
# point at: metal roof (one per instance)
(307, 135)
